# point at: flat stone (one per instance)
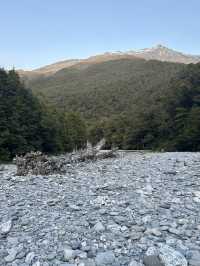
(88, 262)
(153, 231)
(105, 258)
(165, 205)
(75, 207)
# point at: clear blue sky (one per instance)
(38, 32)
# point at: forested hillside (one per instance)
(26, 124)
(170, 122)
(135, 104)
(180, 122)
(109, 88)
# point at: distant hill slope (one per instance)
(107, 88)
(158, 52)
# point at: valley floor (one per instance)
(110, 212)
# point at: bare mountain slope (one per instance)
(158, 52)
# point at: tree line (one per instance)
(26, 124)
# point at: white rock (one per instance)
(29, 257)
(68, 254)
(153, 231)
(196, 199)
(6, 227)
(198, 226)
(182, 221)
(99, 227)
(152, 251)
(12, 253)
(124, 228)
(146, 219)
(197, 194)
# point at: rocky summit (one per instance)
(136, 209)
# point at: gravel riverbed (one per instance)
(109, 212)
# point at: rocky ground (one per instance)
(111, 212)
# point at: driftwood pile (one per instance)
(37, 163)
(93, 153)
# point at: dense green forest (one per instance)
(104, 89)
(179, 125)
(27, 124)
(171, 122)
(134, 105)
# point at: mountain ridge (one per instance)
(158, 52)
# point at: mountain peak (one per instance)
(163, 53)
(160, 46)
